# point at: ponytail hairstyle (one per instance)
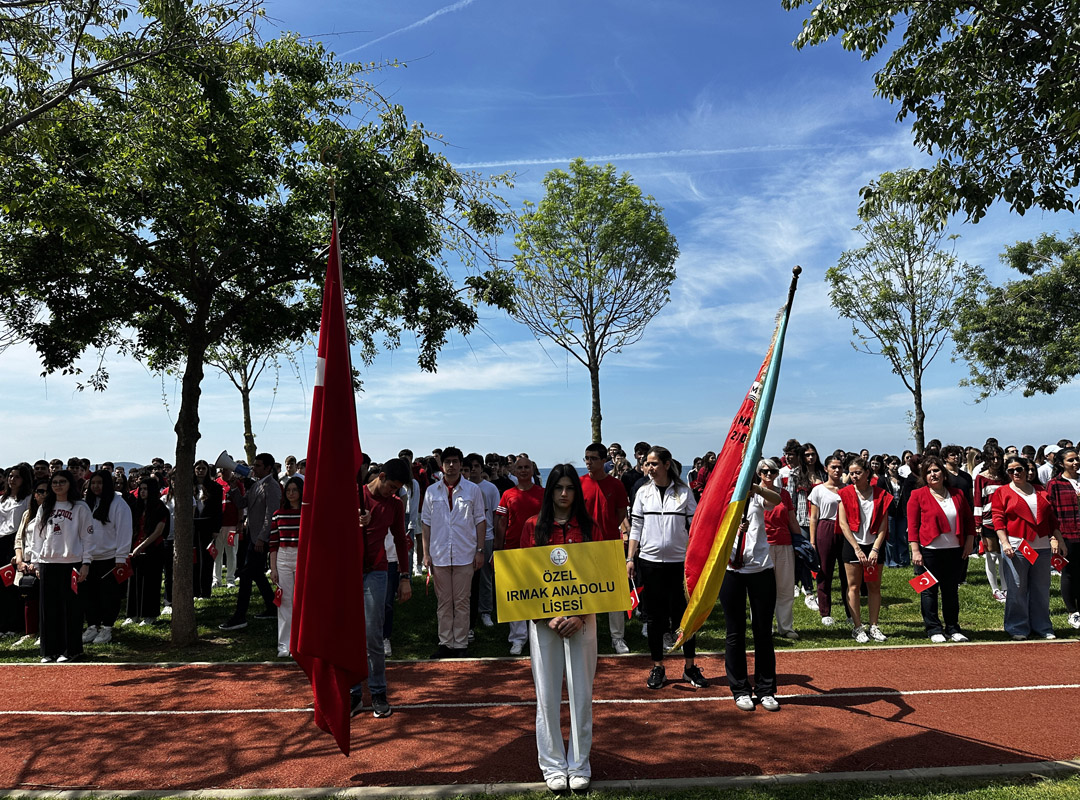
(672, 466)
(545, 520)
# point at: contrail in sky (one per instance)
(444, 10)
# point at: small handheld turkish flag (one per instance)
(1027, 551)
(74, 580)
(924, 581)
(635, 600)
(278, 597)
(231, 539)
(871, 572)
(1058, 561)
(122, 572)
(212, 550)
(7, 575)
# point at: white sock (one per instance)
(993, 570)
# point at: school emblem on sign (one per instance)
(558, 556)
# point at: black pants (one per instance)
(11, 604)
(144, 585)
(253, 570)
(167, 563)
(665, 602)
(1070, 578)
(760, 589)
(203, 569)
(60, 615)
(100, 594)
(945, 565)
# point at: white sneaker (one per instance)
(283, 652)
(128, 621)
(104, 635)
(24, 640)
(876, 634)
(472, 635)
(620, 646)
(958, 637)
(167, 611)
(89, 634)
(810, 602)
(385, 649)
(744, 703)
(516, 648)
(1074, 619)
(768, 702)
(485, 620)
(938, 638)
(148, 621)
(797, 591)
(580, 783)
(999, 595)
(557, 783)
(1049, 636)
(827, 621)
(859, 635)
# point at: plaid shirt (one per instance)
(1064, 500)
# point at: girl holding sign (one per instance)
(864, 521)
(1025, 522)
(941, 530)
(562, 643)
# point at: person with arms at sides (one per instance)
(1047, 468)
(606, 501)
(562, 520)
(825, 537)
(231, 523)
(206, 526)
(864, 521)
(986, 484)
(261, 501)
(1023, 514)
(896, 544)
(26, 580)
(780, 523)
(284, 546)
(1062, 493)
(61, 541)
(807, 474)
(14, 502)
(516, 506)
(383, 516)
(750, 579)
(149, 526)
(482, 594)
(100, 594)
(454, 530)
(411, 488)
(941, 529)
(659, 531)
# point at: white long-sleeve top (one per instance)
(67, 536)
(11, 512)
(661, 524)
(453, 522)
(112, 539)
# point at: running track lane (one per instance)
(249, 725)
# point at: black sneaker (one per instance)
(379, 705)
(270, 613)
(656, 677)
(694, 677)
(357, 704)
(232, 624)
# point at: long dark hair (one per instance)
(50, 499)
(151, 510)
(989, 452)
(546, 518)
(804, 476)
(299, 484)
(34, 504)
(101, 504)
(26, 472)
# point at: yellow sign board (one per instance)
(557, 580)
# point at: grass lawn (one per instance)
(414, 635)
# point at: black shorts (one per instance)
(850, 556)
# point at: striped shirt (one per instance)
(285, 528)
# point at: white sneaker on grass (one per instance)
(620, 646)
(89, 634)
(876, 634)
(1074, 619)
(938, 638)
(860, 635)
(827, 621)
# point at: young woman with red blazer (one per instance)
(941, 532)
(864, 520)
(1063, 492)
(1024, 514)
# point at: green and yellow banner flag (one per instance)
(723, 503)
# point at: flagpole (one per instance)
(333, 199)
(796, 271)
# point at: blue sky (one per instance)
(755, 151)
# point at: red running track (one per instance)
(107, 726)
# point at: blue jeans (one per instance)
(897, 553)
(374, 608)
(1027, 594)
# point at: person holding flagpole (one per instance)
(562, 645)
(1025, 523)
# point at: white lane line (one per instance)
(525, 703)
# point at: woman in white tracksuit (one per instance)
(562, 520)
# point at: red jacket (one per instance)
(926, 520)
(1012, 515)
(849, 499)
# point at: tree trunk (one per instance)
(594, 377)
(920, 416)
(187, 435)
(249, 437)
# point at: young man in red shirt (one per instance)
(606, 501)
(516, 506)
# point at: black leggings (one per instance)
(664, 601)
(1070, 578)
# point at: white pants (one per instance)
(519, 632)
(783, 556)
(286, 567)
(548, 664)
(616, 621)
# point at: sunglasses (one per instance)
(1017, 471)
(770, 472)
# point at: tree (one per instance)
(991, 87)
(594, 264)
(190, 197)
(900, 290)
(1026, 333)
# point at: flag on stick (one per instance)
(328, 638)
(1027, 551)
(635, 599)
(724, 501)
(924, 581)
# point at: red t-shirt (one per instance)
(606, 503)
(517, 505)
(569, 533)
(776, 520)
(387, 514)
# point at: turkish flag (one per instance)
(635, 600)
(7, 574)
(871, 572)
(74, 580)
(1027, 551)
(328, 598)
(230, 539)
(278, 594)
(212, 550)
(924, 581)
(1058, 561)
(122, 572)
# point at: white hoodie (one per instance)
(66, 537)
(112, 538)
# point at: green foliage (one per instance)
(595, 263)
(1025, 334)
(991, 87)
(900, 289)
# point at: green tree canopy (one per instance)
(991, 87)
(1025, 334)
(595, 262)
